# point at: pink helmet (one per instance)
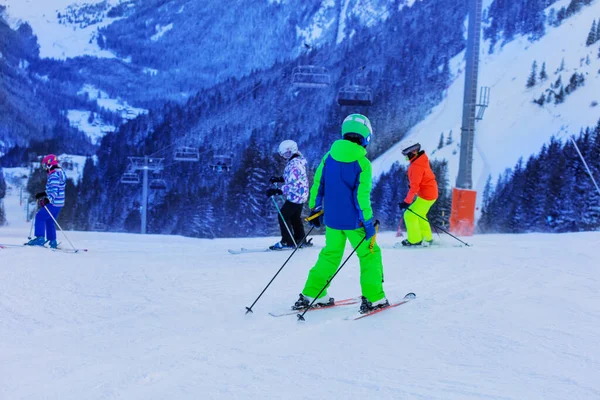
(49, 161)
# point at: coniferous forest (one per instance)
(243, 107)
(550, 192)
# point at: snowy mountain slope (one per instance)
(514, 126)
(155, 317)
(58, 40)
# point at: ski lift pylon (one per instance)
(355, 95)
(310, 76)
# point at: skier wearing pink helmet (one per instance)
(50, 203)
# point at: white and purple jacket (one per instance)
(295, 188)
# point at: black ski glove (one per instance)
(40, 195)
(315, 218)
(274, 192)
(404, 205)
(277, 179)
(42, 202)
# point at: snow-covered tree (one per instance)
(543, 73)
(592, 38)
(531, 81)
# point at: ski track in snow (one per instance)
(155, 317)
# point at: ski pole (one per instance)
(31, 228)
(283, 219)
(249, 309)
(61, 229)
(437, 227)
(301, 316)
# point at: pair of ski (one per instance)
(346, 302)
(244, 250)
(8, 246)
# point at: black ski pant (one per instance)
(292, 213)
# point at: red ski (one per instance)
(407, 298)
(338, 303)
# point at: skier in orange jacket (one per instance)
(424, 186)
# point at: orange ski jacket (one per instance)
(421, 179)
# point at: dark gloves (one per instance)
(42, 202)
(404, 205)
(274, 192)
(40, 195)
(316, 217)
(277, 179)
(369, 229)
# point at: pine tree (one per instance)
(449, 139)
(543, 73)
(561, 66)
(592, 38)
(541, 100)
(560, 96)
(441, 142)
(531, 81)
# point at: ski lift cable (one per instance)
(222, 112)
(255, 87)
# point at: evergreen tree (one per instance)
(441, 142)
(541, 100)
(543, 73)
(592, 38)
(449, 139)
(531, 81)
(560, 96)
(2, 194)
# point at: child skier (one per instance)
(342, 188)
(295, 190)
(424, 186)
(50, 203)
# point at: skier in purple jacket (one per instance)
(295, 190)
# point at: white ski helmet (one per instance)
(287, 148)
(411, 146)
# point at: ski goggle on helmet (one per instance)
(49, 161)
(410, 148)
(287, 149)
(358, 123)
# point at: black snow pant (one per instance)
(292, 213)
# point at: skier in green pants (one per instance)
(342, 190)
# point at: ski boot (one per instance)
(53, 244)
(304, 301)
(37, 241)
(366, 306)
(281, 246)
(406, 243)
(307, 243)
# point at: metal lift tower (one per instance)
(145, 164)
(462, 218)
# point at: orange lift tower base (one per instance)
(462, 218)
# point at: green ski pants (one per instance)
(330, 257)
(418, 229)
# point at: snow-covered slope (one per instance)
(58, 40)
(514, 126)
(155, 317)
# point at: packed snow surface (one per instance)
(163, 317)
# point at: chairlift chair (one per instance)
(158, 184)
(186, 154)
(354, 95)
(130, 178)
(221, 164)
(311, 76)
(99, 226)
